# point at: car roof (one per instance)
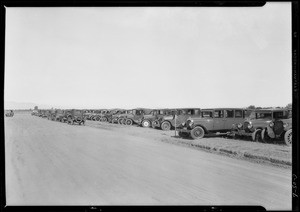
(270, 110)
(225, 108)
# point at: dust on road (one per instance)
(52, 163)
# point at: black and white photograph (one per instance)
(148, 106)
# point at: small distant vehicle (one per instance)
(75, 117)
(171, 121)
(134, 116)
(9, 113)
(215, 121)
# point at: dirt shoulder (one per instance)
(274, 154)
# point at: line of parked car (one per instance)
(272, 125)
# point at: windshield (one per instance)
(263, 115)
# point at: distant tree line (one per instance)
(252, 107)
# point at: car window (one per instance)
(205, 114)
(238, 114)
(263, 115)
(280, 115)
(229, 113)
(218, 114)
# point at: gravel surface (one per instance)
(53, 163)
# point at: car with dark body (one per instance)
(266, 125)
(216, 121)
(75, 116)
(9, 113)
(168, 122)
(134, 116)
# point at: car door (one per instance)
(228, 119)
(218, 119)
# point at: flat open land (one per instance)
(53, 163)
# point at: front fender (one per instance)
(270, 131)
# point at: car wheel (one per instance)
(123, 122)
(256, 135)
(165, 125)
(146, 123)
(129, 122)
(97, 118)
(104, 119)
(197, 133)
(120, 120)
(288, 137)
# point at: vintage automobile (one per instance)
(60, 115)
(112, 115)
(9, 113)
(167, 112)
(215, 121)
(149, 119)
(34, 113)
(88, 114)
(75, 116)
(279, 129)
(95, 115)
(133, 117)
(171, 121)
(40, 113)
(45, 113)
(261, 121)
(120, 116)
(51, 115)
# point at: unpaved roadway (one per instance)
(53, 163)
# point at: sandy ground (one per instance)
(52, 163)
(275, 154)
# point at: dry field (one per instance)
(53, 163)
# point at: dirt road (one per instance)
(53, 163)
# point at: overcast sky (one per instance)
(149, 57)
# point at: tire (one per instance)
(97, 118)
(256, 135)
(129, 122)
(146, 123)
(288, 137)
(165, 126)
(197, 133)
(123, 121)
(104, 119)
(120, 121)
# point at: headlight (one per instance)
(240, 125)
(250, 125)
(285, 125)
(191, 122)
(183, 124)
(271, 124)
